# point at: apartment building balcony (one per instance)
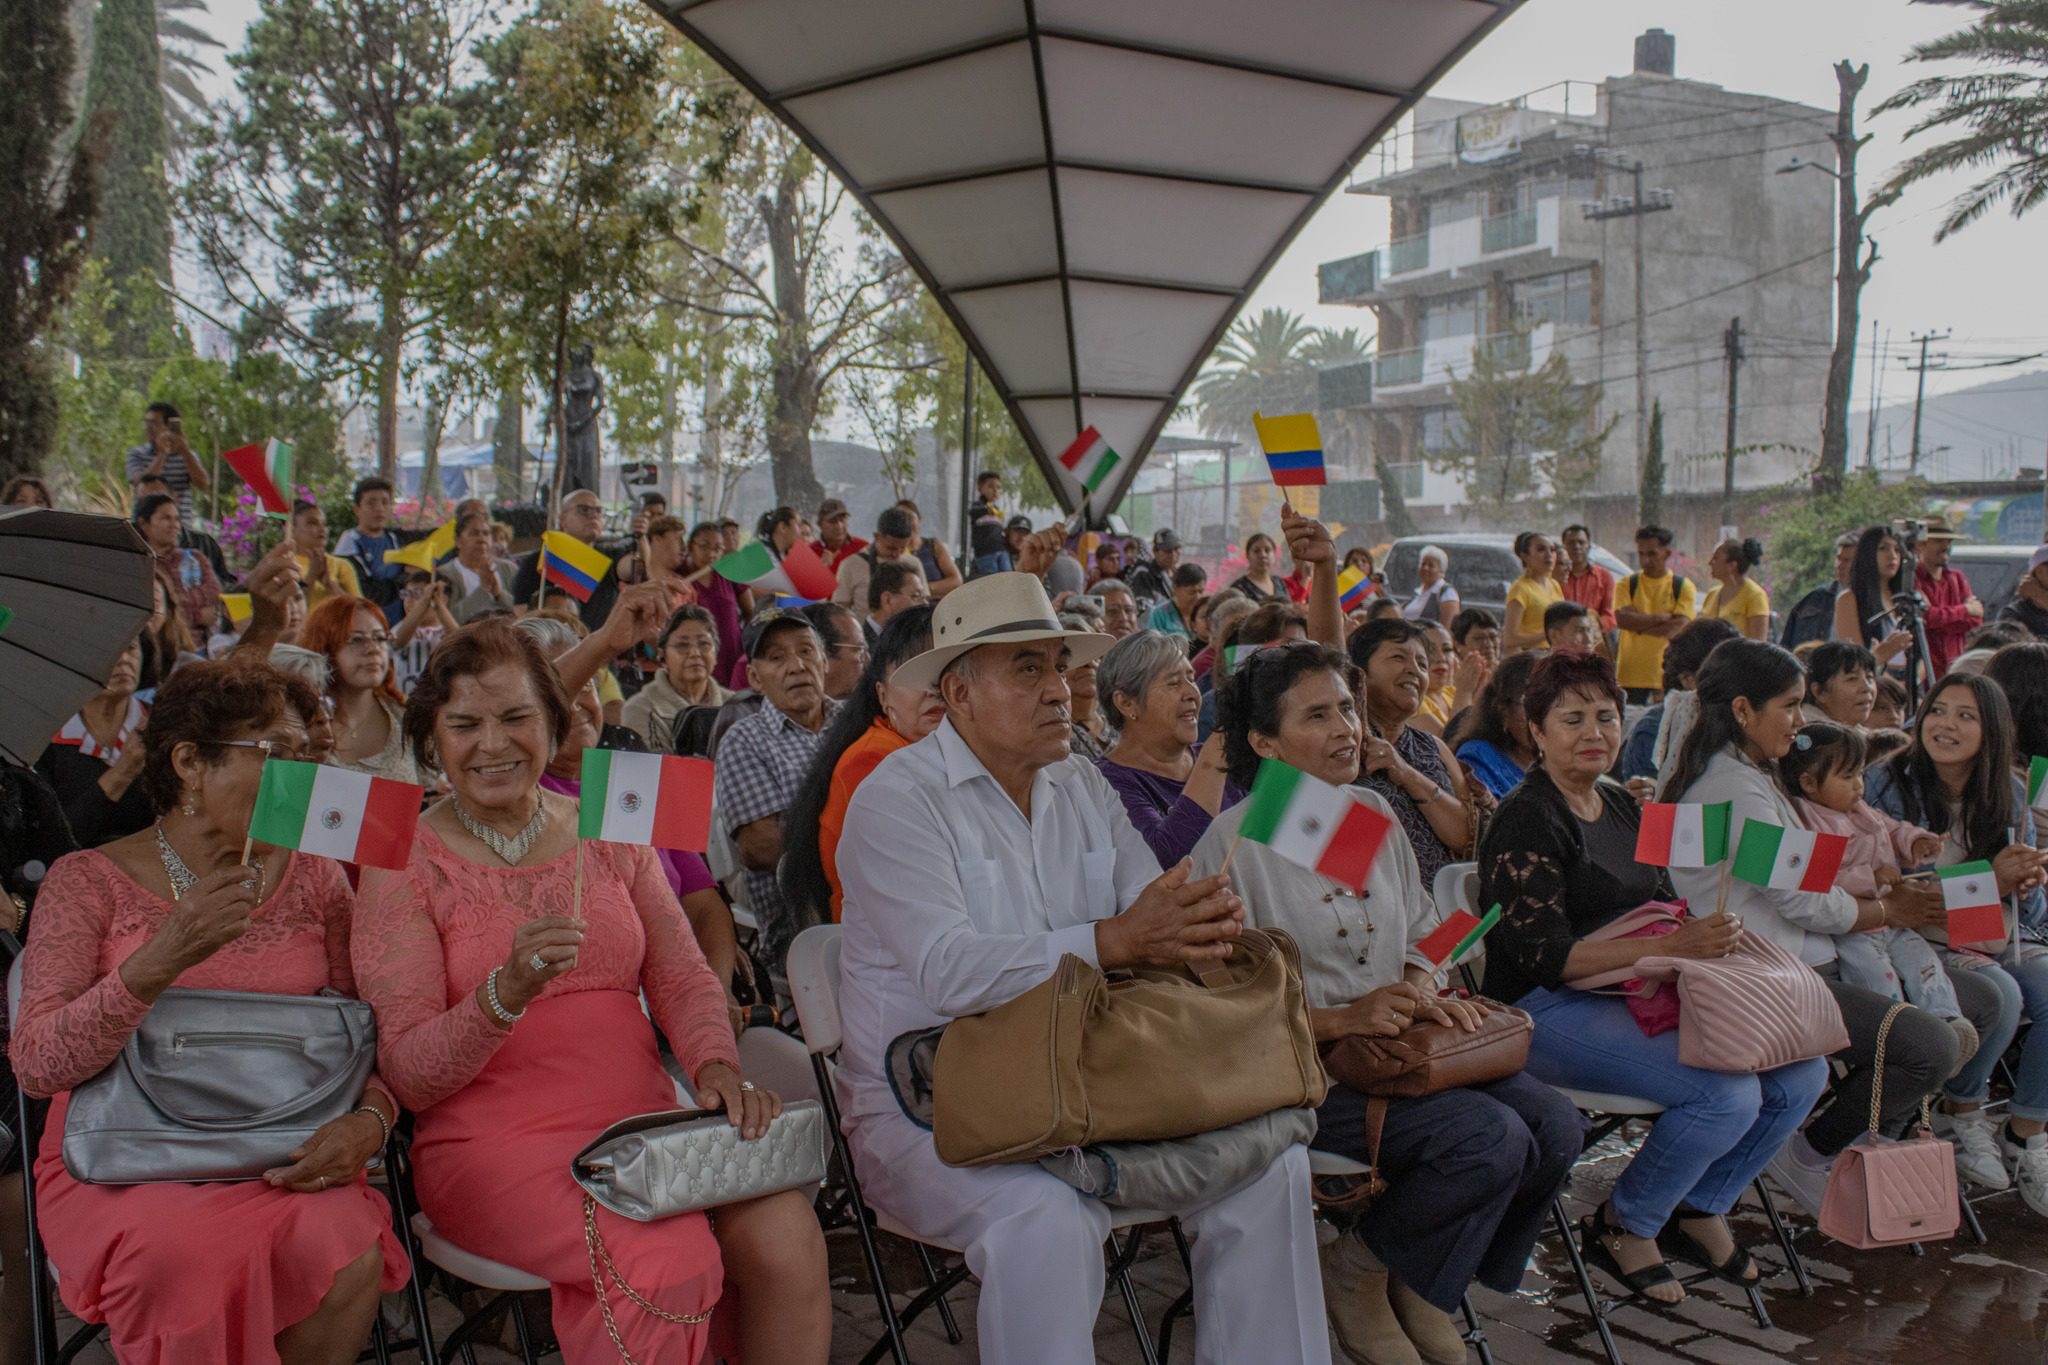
(1456, 255)
(1419, 375)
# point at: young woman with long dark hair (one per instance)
(1865, 611)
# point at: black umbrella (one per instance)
(74, 590)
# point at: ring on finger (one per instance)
(537, 962)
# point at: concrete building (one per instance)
(1514, 227)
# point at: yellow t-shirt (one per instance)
(608, 689)
(1750, 601)
(1536, 597)
(340, 572)
(1641, 657)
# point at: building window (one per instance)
(1453, 315)
(1552, 185)
(1450, 208)
(1564, 298)
(1406, 479)
(1441, 429)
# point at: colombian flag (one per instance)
(1294, 448)
(1353, 587)
(571, 565)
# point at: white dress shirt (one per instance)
(955, 903)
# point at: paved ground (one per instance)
(1986, 1305)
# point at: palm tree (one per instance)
(1258, 368)
(179, 71)
(2000, 104)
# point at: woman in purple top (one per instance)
(726, 601)
(1146, 689)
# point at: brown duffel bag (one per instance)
(1136, 1056)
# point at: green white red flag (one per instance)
(655, 799)
(1456, 935)
(267, 469)
(1307, 821)
(1976, 912)
(1788, 859)
(1090, 459)
(800, 573)
(335, 813)
(1683, 834)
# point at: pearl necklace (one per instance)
(510, 849)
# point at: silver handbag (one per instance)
(219, 1085)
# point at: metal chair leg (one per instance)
(931, 1273)
(1970, 1221)
(863, 1223)
(1184, 1306)
(526, 1355)
(1475, 1331)
(1123, 1254)
(1793, 1260)
(1594, 1302)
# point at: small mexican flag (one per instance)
(1975, 912)
(653, 799)
(1788, 859)
(1090, 459)
(267, 469)
(335, 813)
(2037, 777)
(1307, 821)
(1685, 834)
(1449, 941)
(800, 573)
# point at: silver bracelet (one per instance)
(378, 1114)
(497, 1005)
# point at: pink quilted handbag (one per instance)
(1883, 1193)
(1753, 1010)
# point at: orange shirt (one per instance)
(861, 758)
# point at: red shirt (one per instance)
(1593, 590)
(853, 546)
(1947, 620)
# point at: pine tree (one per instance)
(42, 233)
(131, 232)
(1650, 491)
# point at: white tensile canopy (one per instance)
(1091, 188)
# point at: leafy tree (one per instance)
(42, 232)
(1520, 430)
(131, 231)
(1261, 366)
(1997, 106)
(364, 137)
(1799, 525)
(1650, 480)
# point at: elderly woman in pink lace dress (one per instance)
(287, 1268)
(509, 1019)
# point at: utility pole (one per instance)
(1919, 399)
(966, 541)
(1731, 346)
(1876, 394)
(1635, 206)
(1853, 259)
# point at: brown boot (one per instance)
(1432, 1330)
(1355, 1293)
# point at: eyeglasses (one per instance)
(270, 747)
(860, 649)
(365, 642)
(695, 645)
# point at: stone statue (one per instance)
(586, 399)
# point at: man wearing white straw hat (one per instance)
(972, 862)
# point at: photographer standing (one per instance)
(165, 454)
(1952, 609)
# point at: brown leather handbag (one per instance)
(1423, 1059)
(1138, 1056)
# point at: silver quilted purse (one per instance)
(678, 1161)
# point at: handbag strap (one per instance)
(1884, 1033)
(297, 1104)
(593, 1242)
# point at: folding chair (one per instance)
(814, 982)
(1609, 1113)
(1456, 887)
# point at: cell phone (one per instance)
(176, 424)
(1095, 600)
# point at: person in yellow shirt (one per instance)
(1531, 594)
(1650, 606)
(1735, 598)
(324, 575)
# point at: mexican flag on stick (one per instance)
(1685, 834)
(655, 799)
(1307, 821)
(335, 813)
(1976, 914)
(267, 469)
(1788, 859)
(1451, 939)
(2037, 777)
(800, 573)
(1090, 459)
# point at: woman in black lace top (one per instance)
(1424, 785)
(1559, 859)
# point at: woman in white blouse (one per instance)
(477, 580)
(1435, 599)
(1471, 1172)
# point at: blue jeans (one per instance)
(2023, 994)
(1718, 1128)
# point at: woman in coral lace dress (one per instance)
(509, 1020)
(287, 1268)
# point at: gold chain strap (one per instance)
(594, 1242)
(1884, 1033)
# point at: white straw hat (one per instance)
(995, 609)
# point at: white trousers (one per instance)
(1035, 1243)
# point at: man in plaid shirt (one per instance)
(764, 756)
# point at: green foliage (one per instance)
(1394, 515)
(1799, 525)
(998, 444)
(1520, 429)
(1263, 365)
(1997, 105)
(42, 231)
(131, 231)
(1650, 481)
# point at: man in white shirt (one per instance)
(972, 861)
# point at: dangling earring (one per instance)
(185, 809)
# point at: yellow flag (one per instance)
(238, 606)
(422, 554)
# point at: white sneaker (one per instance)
(2030, 1163)
(1977, 1158)
(1801, 1172)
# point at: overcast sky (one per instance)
(1984, 286)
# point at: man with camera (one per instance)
(165, 454)
(1952, 610)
